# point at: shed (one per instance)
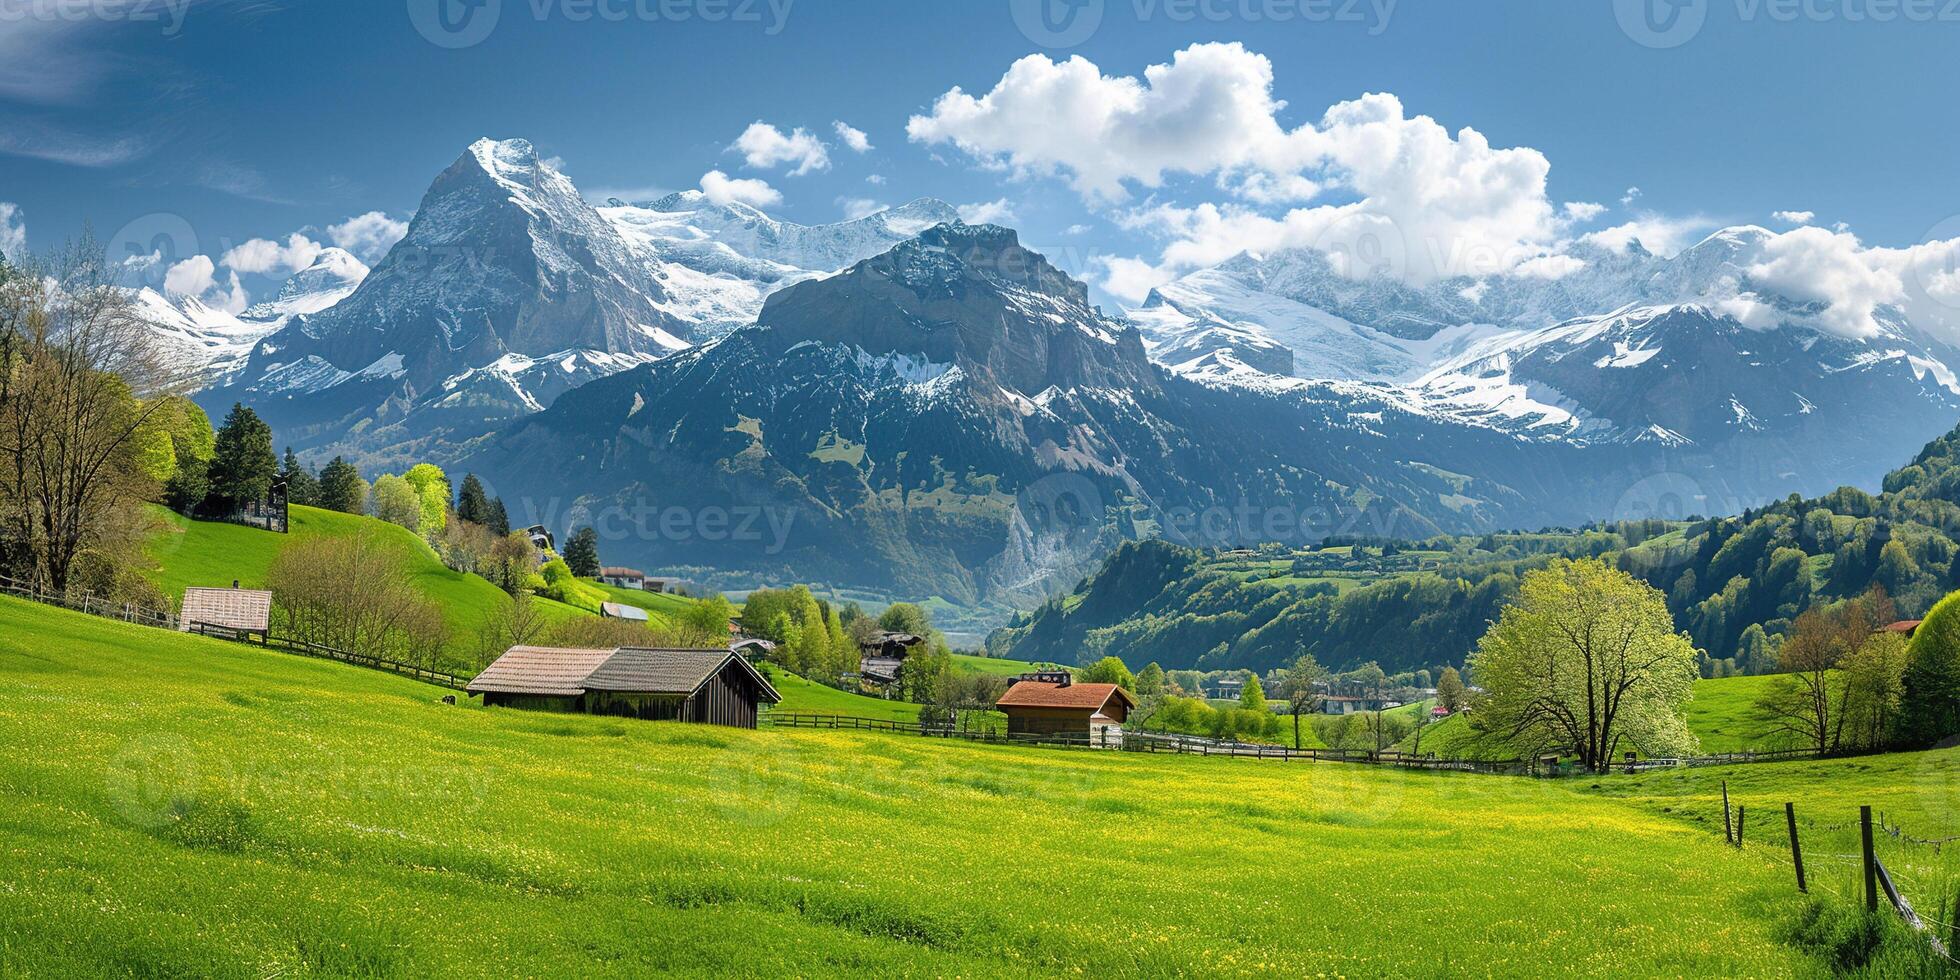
(624, 578)
(620, 610)
(711, 687)
(1904, 627)
(1054, 704)
(240, 612)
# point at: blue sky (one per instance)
(258, 118)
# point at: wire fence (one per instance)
(1871, 860)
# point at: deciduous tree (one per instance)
(1586, 661)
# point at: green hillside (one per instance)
(991, 665)
(656, 603)
(204, 553)
(1722, 715)
(803, 696)
(219, 810)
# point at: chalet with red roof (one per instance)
(1052, 703)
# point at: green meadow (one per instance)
(204, 553)
(1722, 715)
(171, 805)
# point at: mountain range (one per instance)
(915, 406)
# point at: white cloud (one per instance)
(995, 212)
(13, 232)
(1819, 266)
(1632, 195)
(1076, 230)
(368, 236)
(1659, 234)
(1210, 110)
(268, 258)
(1794, 217)
(851, 136)
(197, 277)
(858, 207)
(1550, 266)
(764, 146)
(1580, 212)
(875, 180)
(723, 189)
(1426, 203)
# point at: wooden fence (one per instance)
(164, 619)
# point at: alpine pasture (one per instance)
(176, 805)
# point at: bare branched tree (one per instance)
(84, 375)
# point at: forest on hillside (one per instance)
(1734, 584)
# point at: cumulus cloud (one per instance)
(269, 258)
(368, 236)
(13, 232)
(1794, 217)
(1659, 234)
(995, 212)
(723, 189)
(1423, 202)
(1818, 266)
(1632, 195)
(1580, 212)
(764, 146)
(852, 137)
(858, 207)
(1210, 110)
(197, 277)
(1550, 266)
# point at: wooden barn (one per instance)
(709, 687)
(1052, 703)
(236, 612)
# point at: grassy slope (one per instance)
(991, 665)
(191, 553)
(1720, 715)
(653, 602)
(221, 810)
(802, 696)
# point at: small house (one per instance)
(708, 687)
(233, 612)
(668, 585)
(620, 610)
(1904, 627)
(623, 578)
(881, 656)
(1230, 687)
(1053, 703)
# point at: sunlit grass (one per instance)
(172, 805)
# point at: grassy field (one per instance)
(226, 811)
(991, 665)
(802, 696)
(203, 553)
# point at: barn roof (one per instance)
(237, 609)
(1047, 694)
(548, 671)
(627, 670)
(1906, 626)
(614, 571)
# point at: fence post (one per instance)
(1796, 847)
(1741, 814)
(1728, 821)
(1871, 859)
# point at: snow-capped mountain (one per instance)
(1630, 348)
(214, 344)
(509, 290)
(955, 418)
